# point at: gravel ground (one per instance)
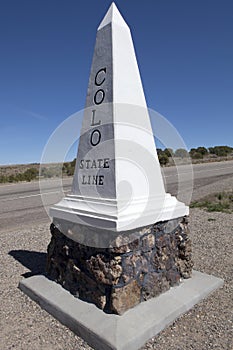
(209, 325)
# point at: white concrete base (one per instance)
(105, 214)
(113, 332)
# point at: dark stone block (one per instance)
(125, 298)
(104, 269)
(154, 284)
(118, 278)
(133, 265)
(173, 276)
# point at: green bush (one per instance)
(181, 153)
(221, 151)
(163, 159)
(69, 167)
(202, 150)
(169, 152)
(50, 171)
(28, 175)
(197, 155)
(3, 179)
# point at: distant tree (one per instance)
(163, 158)
(159, 151)
(181, 153)
(221, 151)
(72, 166)
(211, 150)
(198, 153)
(68, 168)
(202, 150)
(192, 152)
(169, 152)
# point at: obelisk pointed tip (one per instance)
(113, 16)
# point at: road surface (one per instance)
(21, 204)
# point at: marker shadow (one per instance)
(34, 261)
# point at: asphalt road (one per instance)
(22, 205)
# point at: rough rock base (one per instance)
(118, 278)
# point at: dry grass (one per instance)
(221, 202)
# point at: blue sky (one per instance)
(184, 50)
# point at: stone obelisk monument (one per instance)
(117, 183)
(118, 239)
(118, 208)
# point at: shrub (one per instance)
(69, 167)
(196, 155)
(181, 153)
(30, 174)
(221, 151)
(163, 159)
(202, 150)
(169, 152)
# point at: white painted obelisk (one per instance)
(117, 183)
